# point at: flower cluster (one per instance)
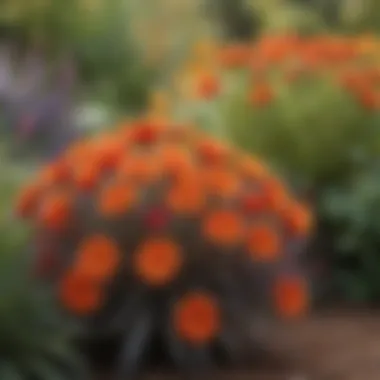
(284, 96)
(170, 216)
(349, 61)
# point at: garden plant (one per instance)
(159, 231)
(307, 104)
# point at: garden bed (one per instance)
(330, 346)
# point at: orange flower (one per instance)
(28, 200)
(263, 242)
(252, 169)
(108, 151)
(235, 56)
(254, 202)
(79, 295)
(54, 174)
(56, 210)
(373, 75)
(174, 159)
(140, 168)
(353, 81)
(186, 197)
(224, 227)
(208, 86)
(212, 152)
(298, 220)
(261, 95)
(276, 194)
(369, 99)
(86, 175)
(180, 133)
(116, 199)
(78, 152)
(146, 132)
(196, 318)
(158, 261)
(291, 296)
(97, 258)
(220, 182)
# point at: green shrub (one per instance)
(352, 213)
(97, 33)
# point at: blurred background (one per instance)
(296, 82)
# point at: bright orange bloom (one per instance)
(78, 152)
(220, 182)
(79, 295)
(86, 175)
(97, 258)
(142, 169)
(276, 194)
(174, 159)
(55, 210)
(369, 99)
(224, 227)
(298, 219)
(146, 132)
(186, 197)
(54, 174)
(158, 261)
(212, 152)
(252, 169)
(197, 318)
(116, 199)
(108, 151)
(263, 242)
(254, 202)
(291, 296)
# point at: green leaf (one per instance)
(8, 371)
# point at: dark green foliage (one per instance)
(353, 212)
(109, 59)
(237, 21)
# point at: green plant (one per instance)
(157, 231)
(313, 115)
(283, 16)
(99, 37)
(352, 213)
(35, 340)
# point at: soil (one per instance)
(329, 346)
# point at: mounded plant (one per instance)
(160, 231)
